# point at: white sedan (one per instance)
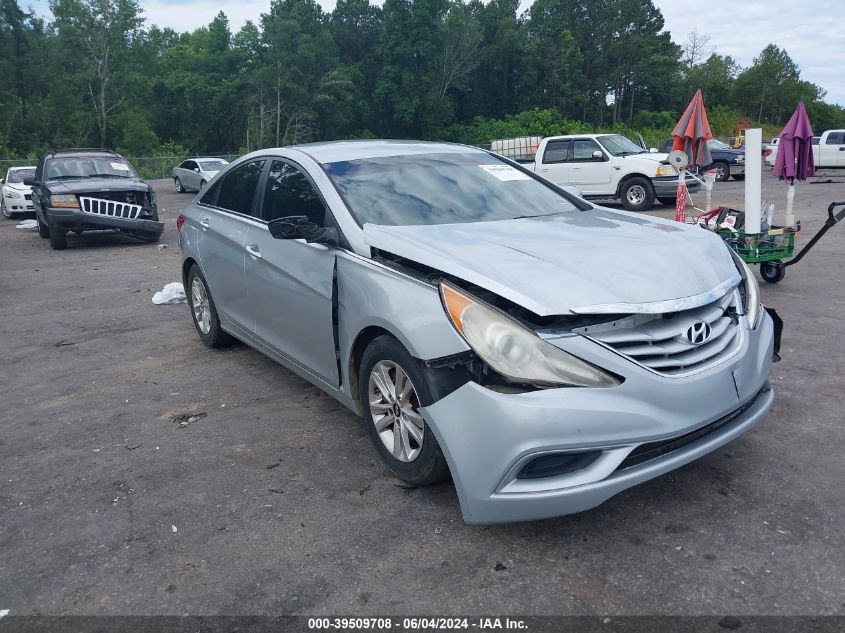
(16, 197)
(194, 173)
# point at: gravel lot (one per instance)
(276, 503)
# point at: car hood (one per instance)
(18, 186)
(551, 265)
(657, 157)
(93, 185)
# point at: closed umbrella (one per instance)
(690, 136)
(794, 160)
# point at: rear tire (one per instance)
(738, 176)
(402, 438)
(772, 272)
(204, 312)
(637, 194)
(58, 239)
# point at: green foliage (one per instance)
(467, 70)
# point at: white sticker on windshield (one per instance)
(505, 172)
(120, 166)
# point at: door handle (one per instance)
(204, 223)
(544, 169)
(252, 249)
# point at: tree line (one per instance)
(97, 74)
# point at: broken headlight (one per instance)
(750, 291)
(513, 350)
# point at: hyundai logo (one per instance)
(699, 332)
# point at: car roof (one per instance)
(336, 151)
(206, 158)
(72, 153)
(24, 167)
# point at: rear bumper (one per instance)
(488, 437)
(667, 186)
(76, 220)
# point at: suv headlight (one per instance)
(64, 201)
(666, 170)
(513, 350)
(750, 291)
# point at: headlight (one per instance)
(513, 350)
(751, 291)
(11, 193)
(64, 202)
(666, 170)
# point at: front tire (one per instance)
(738, 176)
(43, 229)
(637, 194)
(5, 209)
(58, 239)
(723, 172)
(178, 184)
(392, 388)
(202, 185)
(669, 202)
(204, 312)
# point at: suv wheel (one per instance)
(43, 229)
(637, 194)
(5, 209)
(392, 388)
(179, 187)
(723, 172)
(58, 239)
(204, 312)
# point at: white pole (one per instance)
(790, 199)
(753, 179)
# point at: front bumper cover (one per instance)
(488, 436)
(76, 220)
(667, 186)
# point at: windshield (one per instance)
(441, 189)
(86, 166)
(212, 165)
(619, 145)
(19, 175)
(716, 144)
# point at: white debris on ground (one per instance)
(28, 224)
(171, 293)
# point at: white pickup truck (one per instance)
(605, 166)
(830, 150)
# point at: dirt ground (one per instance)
(273, 501)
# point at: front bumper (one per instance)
(488, 436)
(737, 169)
(76, 220)
(19, 205)
(667, 186)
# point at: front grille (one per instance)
(664, 342)
(27, 196)
(110, 208)
(653, 450)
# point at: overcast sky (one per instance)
(811, 31)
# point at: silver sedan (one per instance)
(195, 173)
(545, 352)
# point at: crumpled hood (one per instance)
(93, 185)
(552, 264)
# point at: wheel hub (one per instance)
(394, 407)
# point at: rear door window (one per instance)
(835, 138)
(556, 152)
(236, 192)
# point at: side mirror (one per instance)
(652, 150)
(197, 169)
(598, 155)
(30, 182)
(294, 227)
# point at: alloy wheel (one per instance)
(200, 305)
(394, 407)
(636, 195)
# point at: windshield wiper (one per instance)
(539, 215)
(107, 176)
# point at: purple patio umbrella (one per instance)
(795, 155)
